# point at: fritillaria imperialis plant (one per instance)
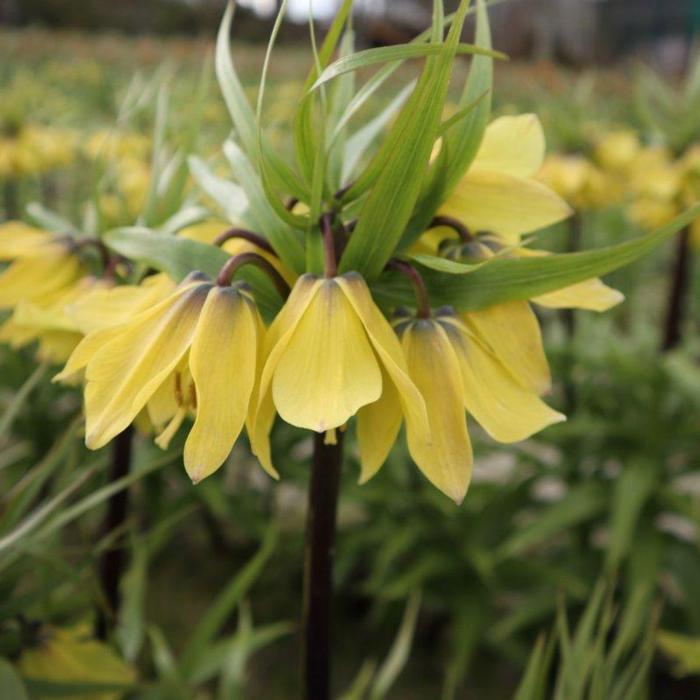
(376, 278)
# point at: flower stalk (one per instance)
(318, 567)
(228, 271)
(242, 234)
(418, 284)
(678, 298)
(113, 561)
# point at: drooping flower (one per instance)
(42, 265)
(328, 353)
(455, 372)
(194, 352)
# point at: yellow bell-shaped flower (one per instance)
(198, 346)
(329, 352)
(455, 372)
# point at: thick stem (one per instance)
(113, 560)
(678, 298)
(318, 567)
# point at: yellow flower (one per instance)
(500, 192)
(578, 181)
(617, 149)
(194, 352)
(43, 265)
(71, 656)
(327, 354)
(454, 372)
(50, 324)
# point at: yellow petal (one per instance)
(168, 433)
(108, 307)
(123, 374)
(504, 204)
(591, 294)
(36, 279)
(378, 425)
(328, 369)
(512, 333)
(388, 349)
(512, 145)
(503, 407)
(434, 368)
(222, 362)
(18, 239)
(262, 408)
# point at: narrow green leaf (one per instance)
(388, 54)
(508, 279)
(395, 662)
(265, 219)
(177, 257)
(404, 162)
(242, 114)
(229, 196)
(11, 685)
(19, 399)
(226, 602)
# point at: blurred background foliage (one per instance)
(571, 569)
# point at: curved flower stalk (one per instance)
(194, 352)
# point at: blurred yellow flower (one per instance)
(72, 656)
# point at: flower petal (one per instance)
(514, 145)
(378, 426)
(388, 348)
(591, 294)
(504, 204)
(434, 367)
(328, 370)
(123, 374)
(512, 333)
(504, 409)
(38, 278)
(222, 362)
(18, 240)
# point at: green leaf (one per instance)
(400, 651)
(403, 165)
(387, 54)
(55, 689)
(229, 196)
(226, 602)
(362, 139)
(632, 490)
(11, 685)
(265, 219)
(507, 279)
(177, 257)
(579, 505)
(242, 114)
(19, 399)
(532, 686)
